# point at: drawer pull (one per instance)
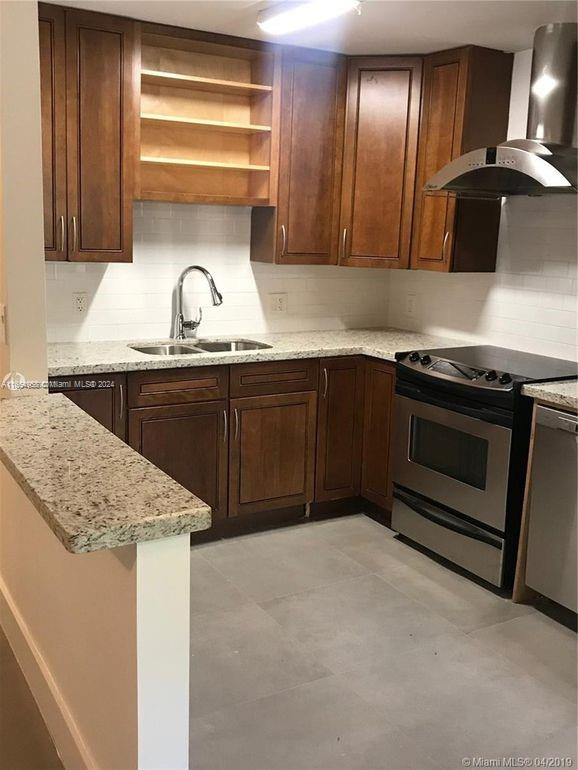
(225, 426)
(236, 424)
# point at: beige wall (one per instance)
(71, 621)
(21, 251)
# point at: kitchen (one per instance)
(339, 427)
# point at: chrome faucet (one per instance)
(180, 323)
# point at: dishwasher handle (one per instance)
(552, 418)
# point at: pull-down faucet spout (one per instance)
(180, 324)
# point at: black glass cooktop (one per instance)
(520, 365)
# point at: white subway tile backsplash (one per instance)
(529, 303)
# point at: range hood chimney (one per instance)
(544, 162)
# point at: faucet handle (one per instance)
(193, 325)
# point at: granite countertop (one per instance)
(561, 394)
(71, 358)
(92, 489)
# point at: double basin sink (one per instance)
(199, 346)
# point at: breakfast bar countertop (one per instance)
(93, 490)
(76, 358)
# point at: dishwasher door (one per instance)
(551, 564)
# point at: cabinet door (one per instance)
(313, 108)
(379, 161)
(379, 392)
(102, 396)
(101, 97)
(465, 106)
(272, 452)
(339, 429)
(53, 111)
(445, 79)
(189, 443)
(304, 228)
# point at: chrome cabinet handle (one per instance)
(236, 424)
(121, 408)
(74, 235)
(325, 382)
(344, 243)
(62, 225)
(225, 426)
(446, 236)
(283, 240)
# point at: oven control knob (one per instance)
(414, 356)
(425, 360)
(505, 379)
(491, 376)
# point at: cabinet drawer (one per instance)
(177, 386)
(262, 379)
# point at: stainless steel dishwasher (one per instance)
(551, 564)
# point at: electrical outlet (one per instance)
(411, 305)
(80, 302)
(278, 303)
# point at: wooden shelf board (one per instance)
(217, 125)
(202, 84)
(183, 197)
(202, 163)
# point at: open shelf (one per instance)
(208, 119)
(202, 163)
(201, 123)
(196, 83)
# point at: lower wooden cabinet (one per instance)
(102, 396)
(379, 393)
(272, 452)
(339, 429)
(189, 443)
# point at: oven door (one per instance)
(456, 459)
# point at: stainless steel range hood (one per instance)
(544, 162)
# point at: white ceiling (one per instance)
(384, 26)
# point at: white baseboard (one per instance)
(73, 751)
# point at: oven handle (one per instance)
(447, 521)
(452, 404)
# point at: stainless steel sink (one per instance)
(165, 350)
(229, 346)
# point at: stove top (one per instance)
(488, 367)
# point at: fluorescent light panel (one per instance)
(295, 17)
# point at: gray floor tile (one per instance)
(280, 563)
(562, 743)
(541, 646)
(242, 654)
(348, 531)
(463, 602)
(209, 589)
(319, 726)
(492, 718)
(439, 674)
(352, 622)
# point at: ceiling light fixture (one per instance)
(293, 17)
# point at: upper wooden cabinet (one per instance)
(466, 93)
(88, 96)
(379, 164)
(209, 118)
(303, 229)
(53, 104)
